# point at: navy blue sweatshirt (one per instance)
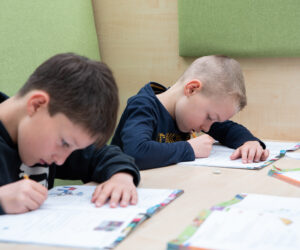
(147, 132)
(89, 164)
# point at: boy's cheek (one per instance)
(23, 157)
(26, 156)
(182, 126)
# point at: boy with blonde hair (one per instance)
(56, 126)
(156, 125)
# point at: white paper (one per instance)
(293, 155)
(257, 222)
(270, 203)
(244, 229)
(220, 156)
(295, 175)
(81, 197)
(65, 227)
(68, 218)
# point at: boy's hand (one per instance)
(250, 151)
(119, 188)
(22, 196)
(202, 145)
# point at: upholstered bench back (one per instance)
(31, 31)
(239, 28)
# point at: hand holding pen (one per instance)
(22, 196)
(202, 145)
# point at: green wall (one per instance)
(31, 31)
(239, 28)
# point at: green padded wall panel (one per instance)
(31, 31)
(239, 28)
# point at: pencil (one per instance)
(194, 135)
(26, 176)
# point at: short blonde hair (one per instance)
(220, 75)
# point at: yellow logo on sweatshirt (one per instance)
(170, 137)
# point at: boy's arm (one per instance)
(151, 154)
(115, 171)
(1, 210)
(232, 134)
(97, 165)
(136, 138)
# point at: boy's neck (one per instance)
(10, 113)
(168, 99)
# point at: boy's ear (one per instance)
(37, 100)
(192, 87)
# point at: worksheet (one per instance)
(220, 156)
(68, 218)
(244, 229)
(249, 221)
(293, 155)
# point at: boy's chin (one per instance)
(30, 163)
(182, 129)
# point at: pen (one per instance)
(26, 176)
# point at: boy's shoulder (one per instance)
(3, 97)
(153, 88)
(147, 94)
(4, 135)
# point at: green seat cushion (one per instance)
(31, 31)
(239, 28)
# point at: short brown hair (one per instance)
(220, 76)
(82, 89)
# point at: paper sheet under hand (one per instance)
(220, 156)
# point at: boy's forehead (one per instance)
(221, 99)
(74, 130)
(224, 108)
(82, 138)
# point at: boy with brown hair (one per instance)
(56, 126)
(156, 125)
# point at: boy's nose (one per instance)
(206, 126)
(61, 157)
(205, 129)
(59, 161)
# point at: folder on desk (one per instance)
(249, 221)
(291, 176)
(69, 219)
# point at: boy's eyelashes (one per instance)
(64, 143)
(209, 118)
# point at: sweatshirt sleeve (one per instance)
(97, 165)
(232, 134)
(137, 138)
(1, 210)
